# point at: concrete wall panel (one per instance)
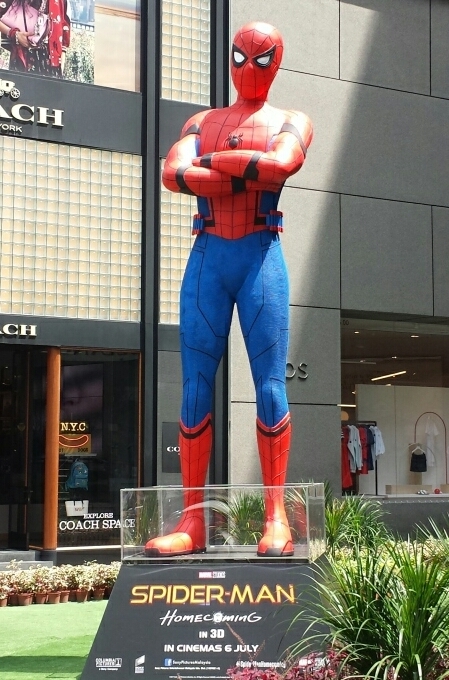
(386, 43)
(309, 29)
(169, 405)
(439, 49)
(440, 219)
(315, 341)
(311, 244)
(315, 449)
(386, 252)
(370, 141)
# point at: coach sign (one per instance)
(170, 447)
(54, 110)
(18, 330)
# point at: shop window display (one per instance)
(395, 381)
(98, 445)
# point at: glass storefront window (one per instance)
(395, 388)
(176, 244)
(40, 275)
(98, 444)
(186, 51)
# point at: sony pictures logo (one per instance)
(108, 663)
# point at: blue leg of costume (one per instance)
(251, 273)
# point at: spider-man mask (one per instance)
(255, 58)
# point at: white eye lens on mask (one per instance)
(238, 57)
(264, 61)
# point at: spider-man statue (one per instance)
(236, 160)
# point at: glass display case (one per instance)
(234, 518)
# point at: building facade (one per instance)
(92, 251)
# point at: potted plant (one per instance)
(85, 581)
(5, 588)
(13, 571)
(53, 583)
(39, 584)
(61, 582)
(71, 575)
(24, 586)
(111, 577)
(99, 576)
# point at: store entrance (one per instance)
(15, 489)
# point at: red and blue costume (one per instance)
(236, 160)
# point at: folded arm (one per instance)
(182, 174)
(284, 158)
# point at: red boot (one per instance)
(274, 447)
(189, 535)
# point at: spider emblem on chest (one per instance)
(234, 141)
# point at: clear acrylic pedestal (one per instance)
(234, 518)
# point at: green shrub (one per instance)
(354, 521)
(386, 609)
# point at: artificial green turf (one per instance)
(47, 641)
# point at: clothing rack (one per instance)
(367, 423)
(432, 413)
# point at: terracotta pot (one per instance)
(72, 596)
(65, 594)
(107, 592)
(13, 600)
(53, 598)
(82, 595)
(24, 599)
(40, 598)
(3, 602)
(98, 594)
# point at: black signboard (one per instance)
(170, 448)
(54, 110)
(196, 621)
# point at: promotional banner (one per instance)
(75, 40)
(196, 621)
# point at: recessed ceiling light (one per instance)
(356, 332)
(414, 336)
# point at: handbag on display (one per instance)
(76, 508)
(28, 19)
